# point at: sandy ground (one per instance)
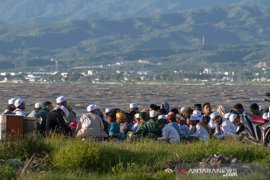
(80, 96)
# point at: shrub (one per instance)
(7, 172)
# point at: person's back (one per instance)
(55, 122)
(169, 133)
(91, 125)
(149, 129)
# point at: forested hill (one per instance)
(237, 34)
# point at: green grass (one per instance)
(146, 159)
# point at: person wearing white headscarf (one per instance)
(11, 107)
(200, 131)
(223, 126)
(20, 107)
(90, 124)
(56, 119)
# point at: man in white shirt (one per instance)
(20, 107)
(223, 126)
(200, 131)
(169, 133)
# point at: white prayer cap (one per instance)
(137, 116)
(107, 110)
(133, 105)
(232, 117)
(61, 99)
(11, 101)
(153, 113)
(227, 115)
(214, 114)
(194, 117)
(92, 107)
(38, 105)
(162, 117)
(18, 102)
(198, 113)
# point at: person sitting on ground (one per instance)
(10, 108)
(169, 133)
(37, 108)
(223, 126)
(256, 114)
(172, 121)
(20, 107)
(237, 127)
(147, 129)
(114, 127)
(136, 123)
(200, 132)
(42, 116)
(207, 110)
(183, 127)
(186, 112)
(124, 125)
(55, 121)
(90, 124)
(133, 109)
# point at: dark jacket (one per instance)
(55, 122)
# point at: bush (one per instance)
(7, 172)
(24, 149)
(84, 156)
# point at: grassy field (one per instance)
(58, 157)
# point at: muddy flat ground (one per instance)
(80, 96)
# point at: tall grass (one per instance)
(143, 159)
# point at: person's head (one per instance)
(19, 103)
(61, 101)
(207, 109)
(186, 112)
(221, 110)
(171, 117)
(194, 119)
(255, 109)
(11, 104)
(107, 111)
(165, 105)
(216, 117)
(235, 119)
(38, 107)
(143, 116)
(175, 110)
(137, 117)
(48, 105)
(238, 108)
(120, 117)
(93, 108)
(111, 117)
(161, 123)
(198, 107)
(133, 107)
(162, 111)
(153, 107)
(180, 119)
(153, 114)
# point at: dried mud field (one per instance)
(81, 95)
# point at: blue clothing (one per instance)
(176, 126)
(114, 129)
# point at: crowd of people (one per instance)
(156, 122)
